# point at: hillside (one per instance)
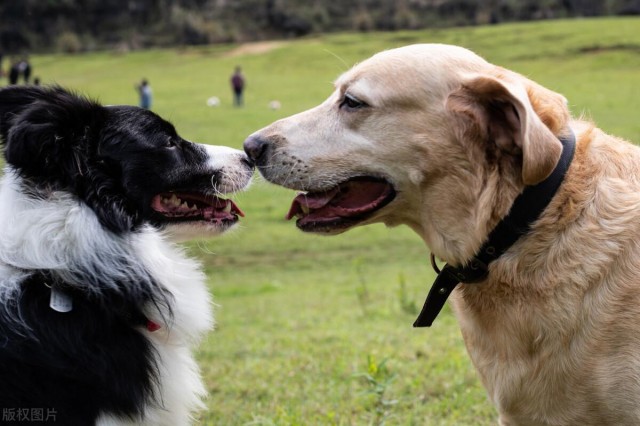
(87, 25)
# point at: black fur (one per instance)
(75, 365)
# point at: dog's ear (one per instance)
(519, 116)
(13, 100)
(43, 128)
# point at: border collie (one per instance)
(98, 311)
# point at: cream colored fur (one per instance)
(554, 331)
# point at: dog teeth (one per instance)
(305, 208)
(172, 201)
(227, 208)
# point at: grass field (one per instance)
(313, 330)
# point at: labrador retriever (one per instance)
(492, 172)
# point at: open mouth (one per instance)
(342, 206)
(190, 207)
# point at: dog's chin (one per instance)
(354, 202)
(186, 231)
(330, 227)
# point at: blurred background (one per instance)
(85, 25)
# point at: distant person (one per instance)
(237, 83)
(25, 69)
(144, 90)
(14, 73)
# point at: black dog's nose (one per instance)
(248, 162)
(255, 147)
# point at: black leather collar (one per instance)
(526, 209)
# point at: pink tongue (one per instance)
(314, 201)
(346, 200)
(217, 212)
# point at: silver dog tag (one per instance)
(60, 301)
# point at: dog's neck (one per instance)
(59, 234)
(526, 209)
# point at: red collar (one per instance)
(153, 326)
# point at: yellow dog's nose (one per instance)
(255, 148)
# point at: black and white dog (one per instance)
(98, 311)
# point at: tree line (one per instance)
(85, 25)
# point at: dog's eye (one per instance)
(351, 102)
(170, 143)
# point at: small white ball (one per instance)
(274, 105)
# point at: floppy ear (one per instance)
(521, 119)
(43, 129)
(13, 100)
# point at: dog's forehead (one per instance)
(434, 55)
(409, 67)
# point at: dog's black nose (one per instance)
(248, 162)
(255, 147)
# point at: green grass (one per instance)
(302, 320)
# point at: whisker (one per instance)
(335, 55)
